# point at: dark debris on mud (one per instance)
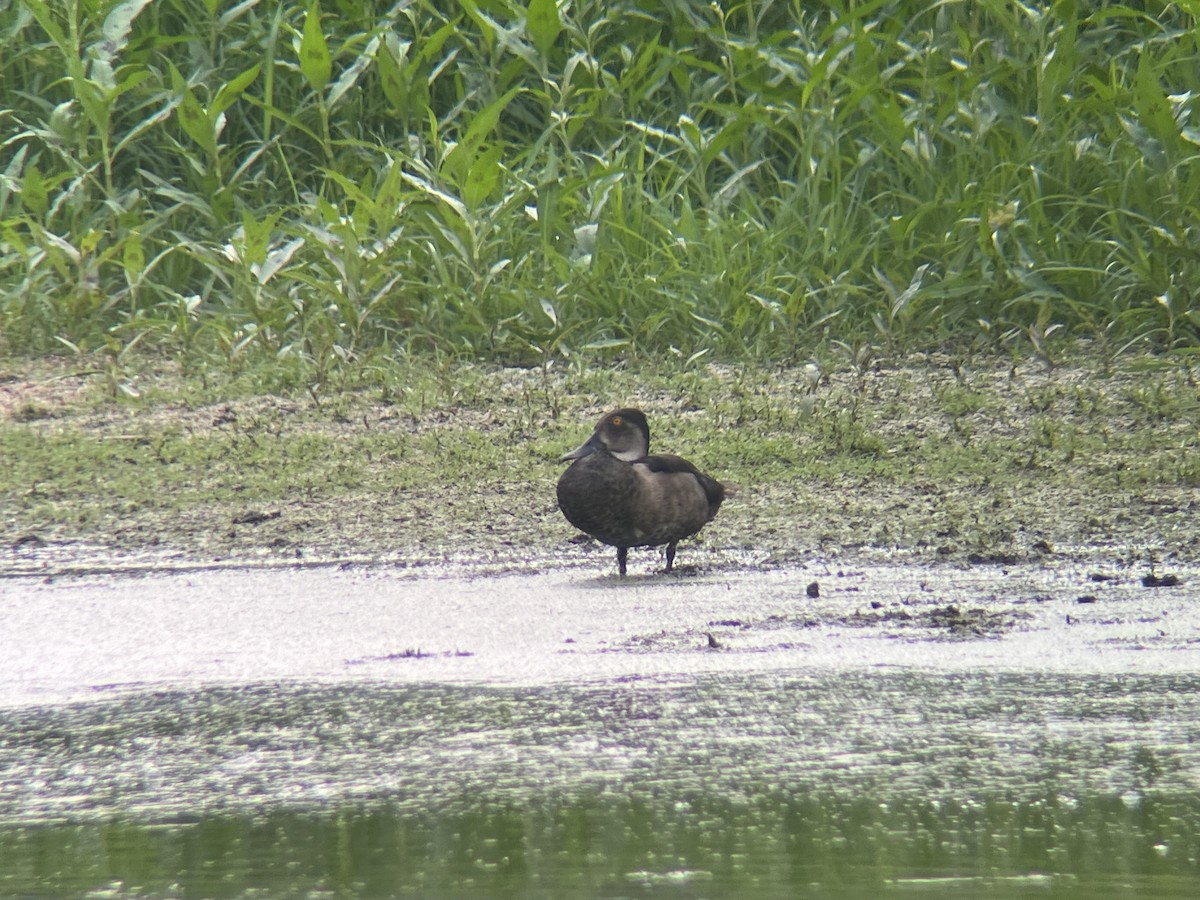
(947, 622)
(951, 622)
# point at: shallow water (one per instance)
(325, 733)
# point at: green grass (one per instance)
(325, 187)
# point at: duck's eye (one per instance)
(616, 420)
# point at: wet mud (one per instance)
(479, 622)
(477, 728)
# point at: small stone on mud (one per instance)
(226, 417)
(813, 590)
(1153, 580)
(1086, 598)
(254, 517)
(993, 558)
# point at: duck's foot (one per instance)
(670, 555)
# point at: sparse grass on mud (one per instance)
(928, 458)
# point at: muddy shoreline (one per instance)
(929, 460)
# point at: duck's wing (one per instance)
(669, 463)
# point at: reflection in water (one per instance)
(992, 786)
(762, 845)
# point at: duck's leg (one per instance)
(671, 554)
(622, 555)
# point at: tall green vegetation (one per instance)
(523, 181)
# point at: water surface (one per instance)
(234, 734)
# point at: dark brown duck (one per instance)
(621, 495)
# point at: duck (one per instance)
(623, 496)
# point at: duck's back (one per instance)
(678, 499)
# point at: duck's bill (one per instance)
(591, 445)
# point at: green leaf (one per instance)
(117, 24)
(41, 12)
(388, 197)
(487, 27)
(34, 195)
(1153, 107)
(482, 177)
(11, 171)
(818, 77)
(609, 344)
(95, 100)
(391, 78)
(315, 61)
(12, 237)
(543, 24)
(134, 257)
(231, 90)
(256, 236)
(687, 226)
(433, 45)
(195, 122)
(64, 122)
(733, 130)
(461, 157)
(352, 73)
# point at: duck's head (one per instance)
(623, 433)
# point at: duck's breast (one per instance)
(598, 495)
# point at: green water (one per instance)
(850, 785)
